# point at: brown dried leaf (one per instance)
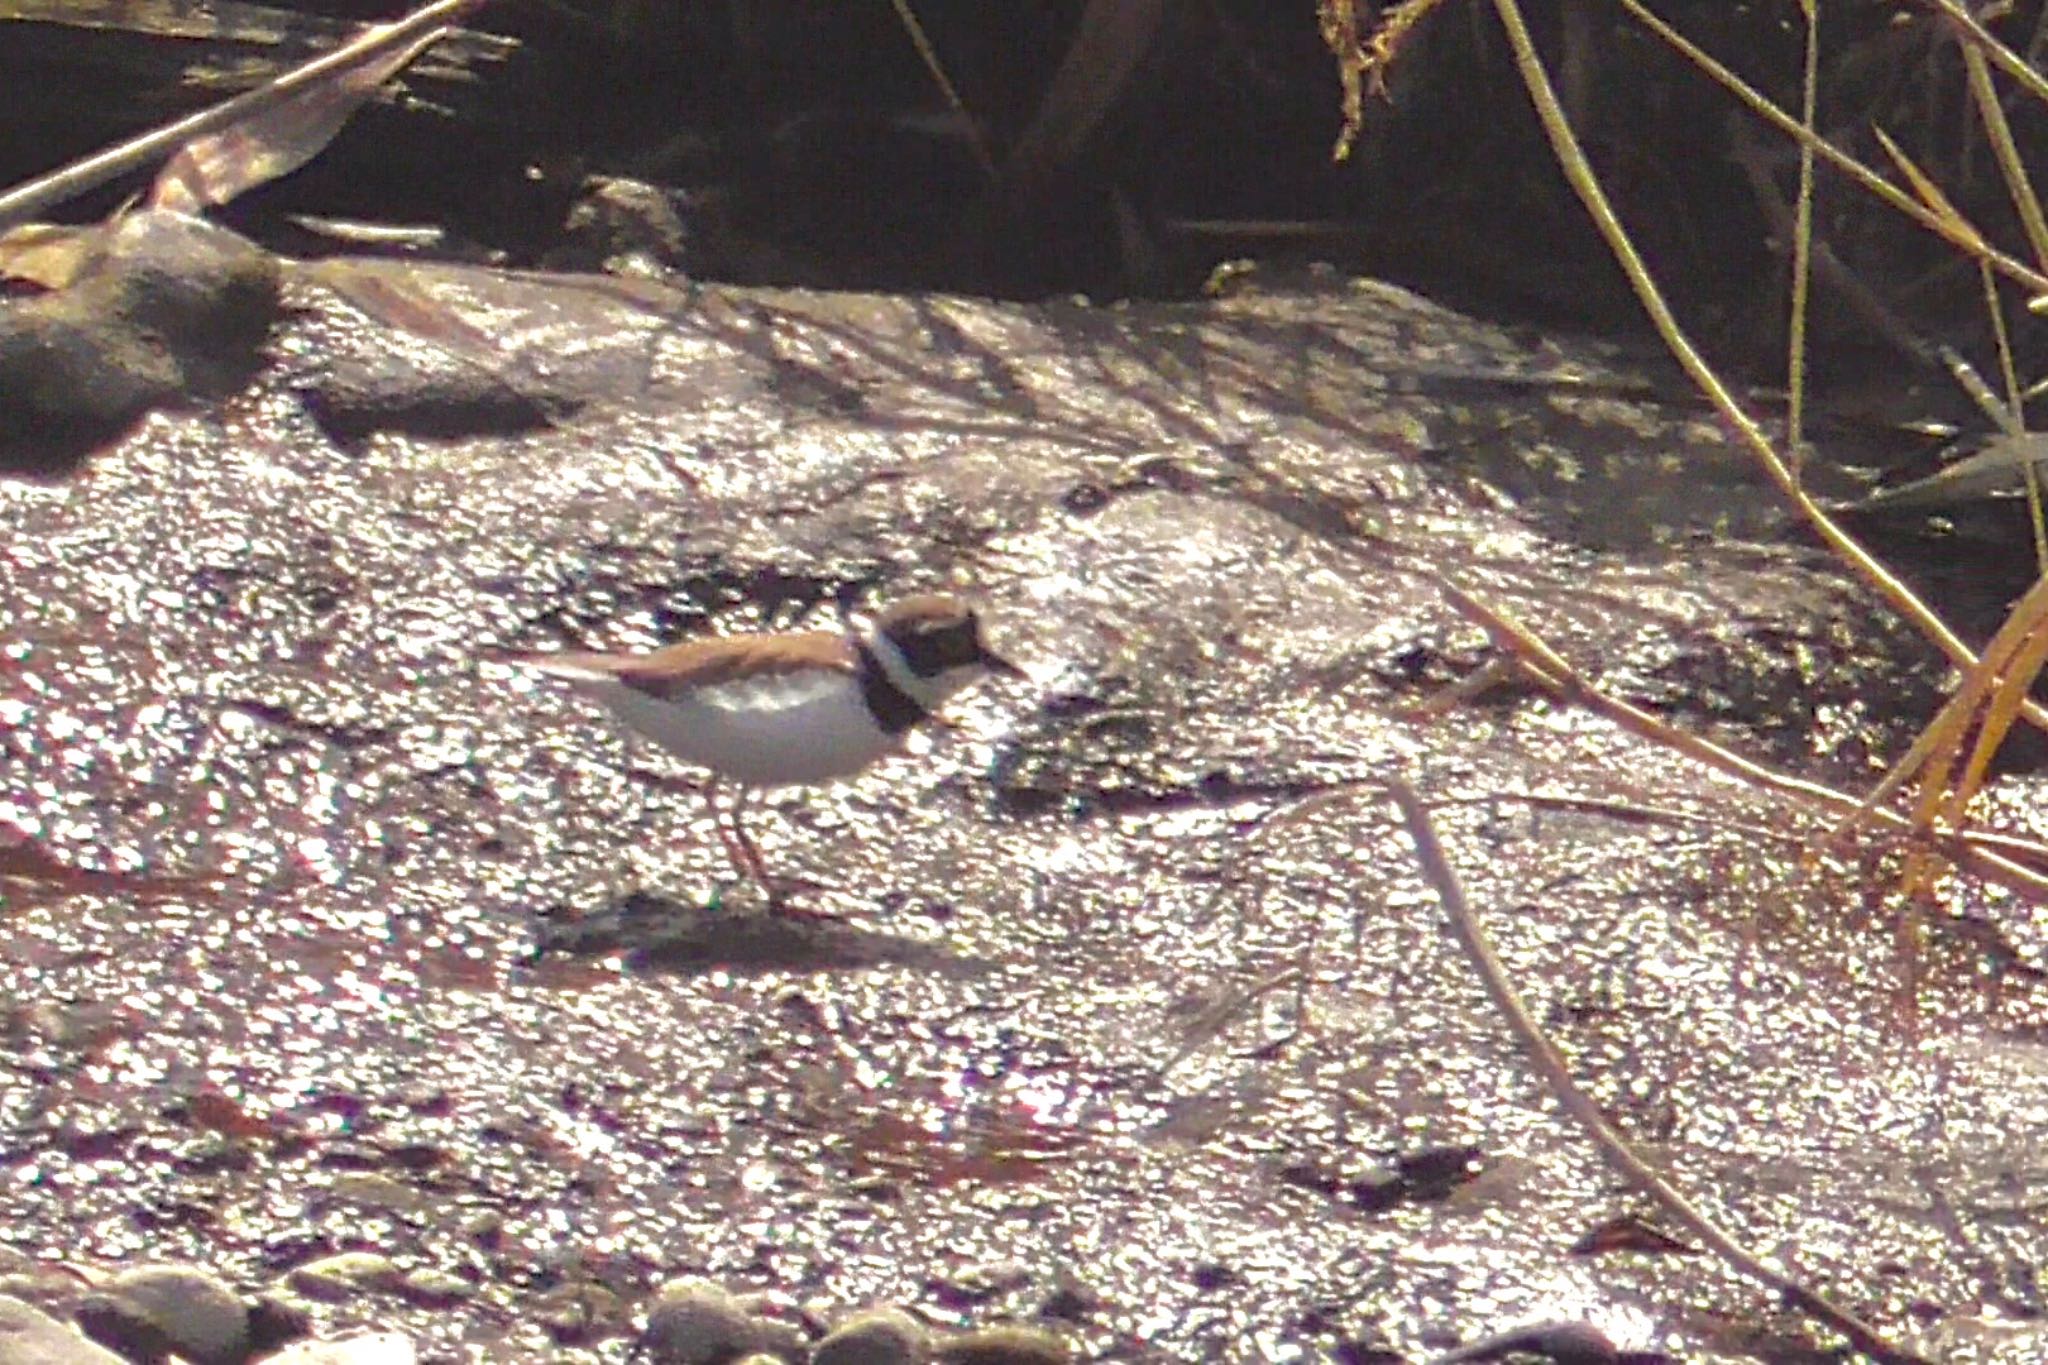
(214, 169)
(45, 254)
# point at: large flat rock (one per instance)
(326, 932)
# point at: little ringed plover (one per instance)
(781, 709)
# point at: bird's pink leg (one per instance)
(746, 855)
(734, 852)
(749, 851)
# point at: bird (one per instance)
(787, 708)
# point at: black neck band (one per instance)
(895, 710)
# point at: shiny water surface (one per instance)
(326, 929)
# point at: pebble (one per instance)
(158, 1310)
(887, 1336)
(1071, 1301)
(29, 1336)
(371, 1348)
(432, 1288)
(694, 1322)
(1008, 1345)
(574, 1312)
(485, 1227)
(1567, 1343)
(783, 1340)
(166, 1312)
(977, 1285)
(375, 1190)
(344, 1275)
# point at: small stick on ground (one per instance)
(1549, 1064)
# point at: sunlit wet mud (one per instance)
(324, 929)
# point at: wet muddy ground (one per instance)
(325, 929)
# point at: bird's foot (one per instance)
(785, 893)
(784, 896)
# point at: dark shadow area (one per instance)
(1118, 150)
(739, 934)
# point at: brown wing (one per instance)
(709, 663)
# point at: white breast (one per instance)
(799, 727)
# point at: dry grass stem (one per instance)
(1998, 131)
(929, 55)
(1802, 248)
(1579, 172)
(1363, 63)
(1880, 316)
(2015, 421)
(1614, 1147)
(1551, 670)
(1972, 34)
(2009, 266)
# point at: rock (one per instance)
(485, 1227)
(886, 1336)
(29, 1336)
(371, 1348)
(624, 227)
(445, 401)
(159, 311)
(36, 1282)
(575, 1311)
(306, 642)
(344, 1275)
(1005, 1345)
(158, 1310)
(431, 1287)
(1071, 1301)
(276, 1318)
(378, 1191)
(975, 1285)
(783, 1340)
(1563, 1343)
(695, 1322)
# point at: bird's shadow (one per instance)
(656, 933)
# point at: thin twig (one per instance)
(1205, 1027)
(1632, 812)
(1549, 1064)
